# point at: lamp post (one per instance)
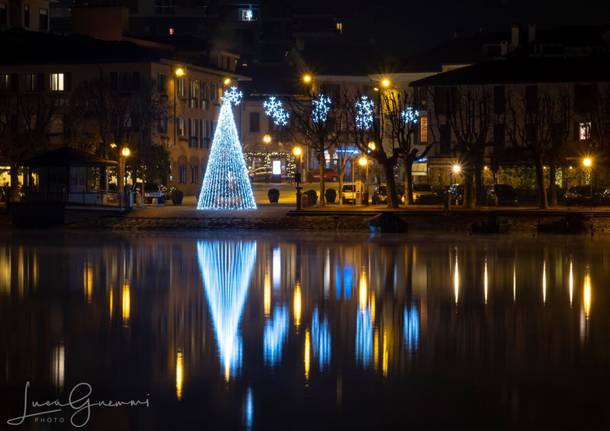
(298, 153)
(125, 152)
(456, 168)
(179, 72)
(364, 163)
(587, 163)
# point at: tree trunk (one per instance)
(321, 161)
(388, 168)
(470, 200)
(542, 199)
(14, 190)
(552, 186)
(341, 175)
(478, 184)
(409, 181)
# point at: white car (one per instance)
(348, 193)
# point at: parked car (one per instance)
(502, 195)
(154, 191)
(329, 175)
(260, 175)
(583, 195)
(423, 194)
(348, 193)
(380, 194)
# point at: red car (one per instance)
(329, 175)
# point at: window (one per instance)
(194, 100)
(246, 14)
(57, 82)
(43, 19)
(255, 123)
(3, 14)
(182, 174)
(31, 82)
(213, 91)
(423, 128)
(499, 136)
(499, 100)
(194, 174)
(162, 83)
(193, 132)
(26, 15)
(180, 125)
(5, 82)
(531, 98)
(162, 126)
(339, 27)
(584, 131)
(180, 86)
(444, 99)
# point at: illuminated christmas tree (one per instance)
(226, 185)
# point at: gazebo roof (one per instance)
(66, 156)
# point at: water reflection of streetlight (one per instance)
(362, 289)
(297, 304)
(267, 294)
(586, 294)
(307, 354)
(571, 283)
(179, 374)
(544, 281)
(125, 303)
(456, 279)
(485, 282)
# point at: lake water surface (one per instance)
(307, 330)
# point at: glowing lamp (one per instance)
(179, 72)
(267, 138)
(363, 161)
(385, 83)
(113, 145)
(456, 168)
(307, 78)
(297, 151)
(587, 162)
(227, 81)
(372, 145)
(125, 152)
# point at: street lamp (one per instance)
(227, 81)
(386, 83)
(125, 152)
(587, 162)
(298, 153)
(364, 163)
(179, 73)
(307, 78)
(372, 145)
(267, 138)
(456, 169)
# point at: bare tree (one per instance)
(25, 120)
(538, 121)
(319, 121)
(368, 123)
(403, 118)
(101, 115)
(467, 111)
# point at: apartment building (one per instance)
(27, 14)
(37, 62)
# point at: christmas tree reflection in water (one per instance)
(226, 269)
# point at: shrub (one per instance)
(177, 196)
(331, 195)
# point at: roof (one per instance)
(66, 156)
(30, 47)
(525, 70)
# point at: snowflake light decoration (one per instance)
(274, 109)
(233, 95)
(321, 108)
(410, 115)
(364, 113)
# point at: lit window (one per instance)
(584, 131)
(5, 82)
(423, 128)
(57, 82)
(171, 31)
(340, 27)
(181, 126)
(246, 14)
(43, 19)
(31, 82)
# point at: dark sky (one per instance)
(422, 23)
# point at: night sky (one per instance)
(423, 23)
